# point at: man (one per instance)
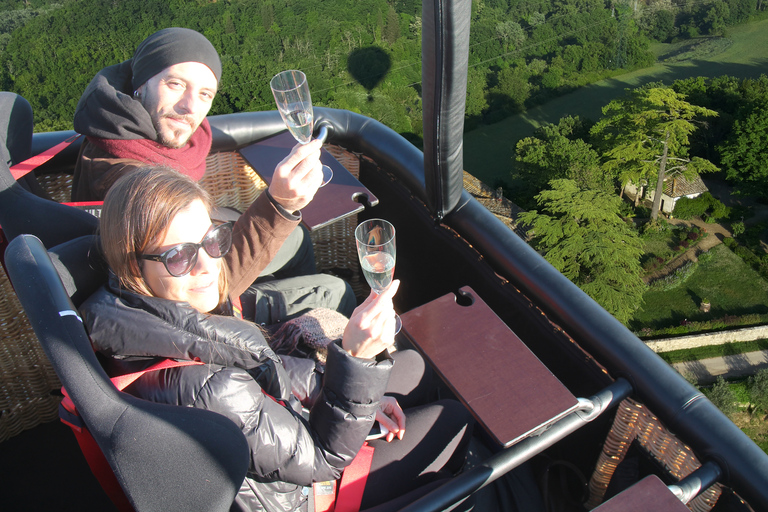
(151, 109)
(148, 109)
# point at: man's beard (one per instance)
(179, 138)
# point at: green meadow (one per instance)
(730, 285)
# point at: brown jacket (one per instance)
(96, 171)
(257, 236)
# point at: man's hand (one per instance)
(298, 177)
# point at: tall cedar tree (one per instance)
(644, 138)
(581, 233)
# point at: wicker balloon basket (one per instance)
(29, 386)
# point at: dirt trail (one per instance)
(714, 235)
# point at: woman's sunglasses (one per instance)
(180, 259)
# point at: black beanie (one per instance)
(172, 46)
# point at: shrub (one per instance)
(656, 226)
(722, 396)
(737, 228)
(719, 210)
(705, 256)
(672, 281)
(758, 385)
(686, 208)
(705, 204)
(715, 324)
(652, 262)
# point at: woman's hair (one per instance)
(136, 214)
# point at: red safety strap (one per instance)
(325, 495)
(351, 486)
(123, 381)
(90, 449)
(22, 168)
(237, 307)
(353, 481)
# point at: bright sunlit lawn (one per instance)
(730, 285)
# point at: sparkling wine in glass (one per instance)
(377, 252)
(295, 106)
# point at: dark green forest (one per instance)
(359, 55)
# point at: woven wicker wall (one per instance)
(335, 250)
(635, 423)
(26, 375)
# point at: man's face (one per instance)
(178, 99)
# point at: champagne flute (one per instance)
(377, 252)
(295, 106)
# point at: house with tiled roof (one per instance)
(676, 186)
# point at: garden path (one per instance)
(716, 232)
(708, 370)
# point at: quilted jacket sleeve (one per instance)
(284, 447)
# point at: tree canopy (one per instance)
(645, 135)
(581, 233)
(559, 151)
(360, 55)
(744, 153)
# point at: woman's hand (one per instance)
(371, 328)
(298, 176)
(390, 415)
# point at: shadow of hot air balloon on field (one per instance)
(369, 66)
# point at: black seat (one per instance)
(16, 136)
(164, 457)
(22, 209)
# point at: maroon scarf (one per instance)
(189, 160)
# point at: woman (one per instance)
(169, 297)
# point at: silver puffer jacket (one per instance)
(245, 381)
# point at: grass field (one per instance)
(731, 286)
(489, 150)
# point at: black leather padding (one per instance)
(81, 267)
(16, 126)
(444, 55)
(24, 209)
(22, 212)
(165, 457)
